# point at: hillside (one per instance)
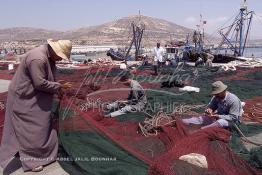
(117, 32)
(27, 33)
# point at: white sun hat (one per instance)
(62, 48)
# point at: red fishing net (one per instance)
(3, 97)
(162, 151)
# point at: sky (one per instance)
(65, 15)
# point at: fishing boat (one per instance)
(234, 39)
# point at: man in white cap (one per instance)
(27, 127)
(223, 108)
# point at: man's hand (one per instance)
(214, 116)
(209, 111)
(66, 85)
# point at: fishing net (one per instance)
(117, 145)
(92, 144)
(3, 97)
(88, 151)
(249, 152)
(5, 73)
(210, 142)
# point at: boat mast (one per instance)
(241, 28)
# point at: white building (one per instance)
(87, 48)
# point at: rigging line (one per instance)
(235, 22)
(247, 37)
(257, 15)
(235, 15)
(215, 31)
(259, 20)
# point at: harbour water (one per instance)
(249, 52)
(257, 52)
(89, 56)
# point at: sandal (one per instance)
(37, 169)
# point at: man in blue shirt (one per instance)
(223, 108)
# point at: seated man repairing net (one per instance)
(223, 108)
(136, 100)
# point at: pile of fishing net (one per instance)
(3, 98)
(92, 144)
(211, 143)
(97, 145)
(115, 146)
(5, 73)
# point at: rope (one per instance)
(228, 67)
(216, 31)
(258, 18)
(244, 138)
(150, 125)
(247, 64)
(186, 108)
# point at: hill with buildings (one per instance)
(117, 32)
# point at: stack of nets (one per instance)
(118, 145)
(92, 144)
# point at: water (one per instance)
(249, 52)
(257, 52)
(80, 57)
(83, 57)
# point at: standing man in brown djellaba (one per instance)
(28, 133)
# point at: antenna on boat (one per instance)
(244, 5)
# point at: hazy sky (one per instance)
(71, 14)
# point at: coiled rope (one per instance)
(151, 125)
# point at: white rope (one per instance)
(252, 63)
(150, 126)
(182, 109)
